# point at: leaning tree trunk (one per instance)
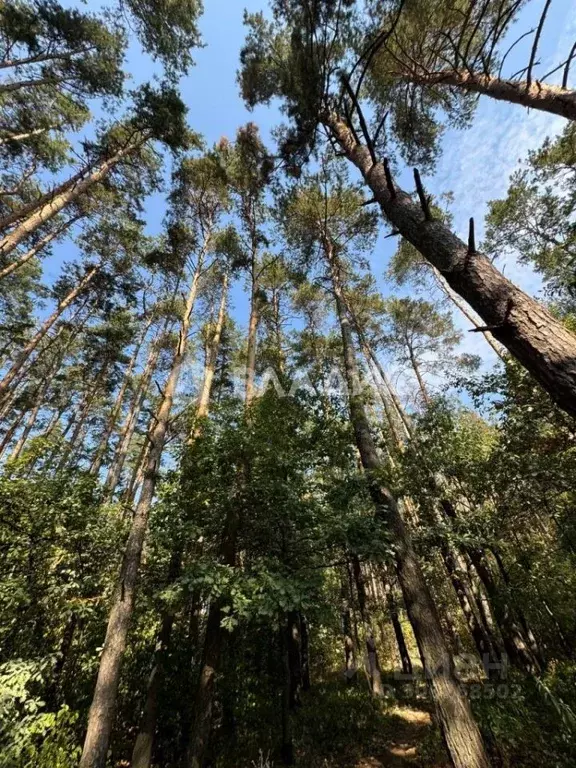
(58, 199)
(419, 378)
(515, 643)
(481, 638)
(460, 731)
(214, 637)
(535, 95)
(457, 301)
(541, 343)
(142, 753)
(530, 637)
(482, 641)
(38, 403)
(371, 649)
(117, 407)
(405, 659)
(25, 353)
(37, 248)
(252, 340)
(130, 422)
(102, 710)
(78, 434)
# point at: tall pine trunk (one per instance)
(37, 248)
(457, 301)
(371, 649)
(214, 637)
(131, 420)
(38, 403)
(117, 407)
(252, 341)
(142, 753)
(25, 353)
(103, 707)
(58, 199)
(460, 731)
(536, 95)
(532, 335)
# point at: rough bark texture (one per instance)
(457, 301)
(536, 95)
(530, 333)
(459, 729)
(102, 710)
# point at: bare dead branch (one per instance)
(536, 43)
(567, 69)
(424, 202)
(389, 181)
(471, 238)
(511, 48)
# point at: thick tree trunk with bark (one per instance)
(102, 710)
(532, 335)
(58, 199)
(460, 731)
(457, 301)
(535, 95)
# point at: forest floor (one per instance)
(341, 726)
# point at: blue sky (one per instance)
(476, 163)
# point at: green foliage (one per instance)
(535, 221)
(29, 734)
(168, 29)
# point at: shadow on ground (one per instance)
(342, 726)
